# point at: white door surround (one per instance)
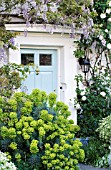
(66, 63)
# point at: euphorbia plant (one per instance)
(36, 132)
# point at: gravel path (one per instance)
(87, 167)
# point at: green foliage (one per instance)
(5, 162)
(94, 103)
(37, 134)
(11, 76)
(6, 36)
(96, 153)
(104, 128)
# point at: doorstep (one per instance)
(88, 167)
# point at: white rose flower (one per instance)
(100, 37)
(103, 15)
(109, 46)
(103, 94)
(82, 93)
(109, 19)
(106, 30)
(83, 98)
(110, 3)
(78, 106)
(108, 11)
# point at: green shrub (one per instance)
(11, 76)
(93, 103)
(104, 128)
(96, 153)
(36, 132)
(5, 164)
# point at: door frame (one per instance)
(33, 48)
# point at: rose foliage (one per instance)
(93, 103)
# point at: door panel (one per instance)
(45, 81)
(46, 62)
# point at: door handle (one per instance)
(37, 70)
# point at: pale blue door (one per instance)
(44, 73)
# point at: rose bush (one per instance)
(93, 103)
(36, 132)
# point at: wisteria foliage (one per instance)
(64, 13)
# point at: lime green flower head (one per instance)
(4, 131)
(12, 133)
(24, 111)
(28, 104)
(75, 161)
(18, 96)
(44, 96)
(40, 122)
(33, 123)
(61, 156)
(13, 115)
(30, 119)
(11, 123)
(33, 146)
(18, 125)
(64, 108)
(47, 146)
(19, 132)
(59, 105)
(18, 156)
(66, 167)
(49, 165)
(41, 132)
(44, 115)
(26, 136)
(56, 145)
(71, 121)
(13, 146)
(26, 124)
(8, 155)
(12, 104)
(57, 167)
(35, 96)
(47, 152)
(30, 130)
(81, 154)
(52, 99)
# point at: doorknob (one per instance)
(37, 70)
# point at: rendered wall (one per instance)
(37, 38)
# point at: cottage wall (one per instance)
(39, 38)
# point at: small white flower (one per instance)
(103, 15)
(110, 3)
(109, 46)
(109, 19)
(83, 98)
(100, 37)
(108, 11)
(103, 94)
(82, 93)
(78, 106)
(106, 30)
(110, 36)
